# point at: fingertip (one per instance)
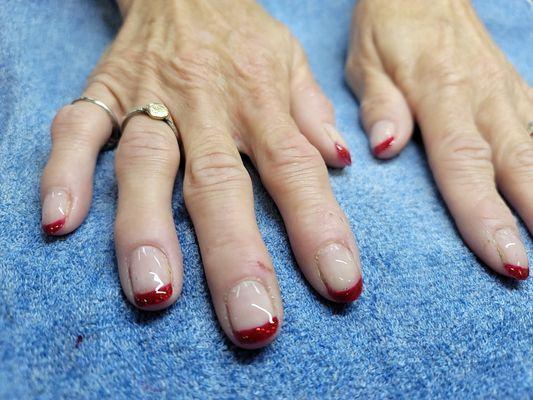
(151, 278)
(517, 272)
(334, 152)
(386, 117)
(340, 273)
(347, 295)
(512, 254)
(61, 212)
(253, 317)
(387, 139)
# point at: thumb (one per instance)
(385, 113)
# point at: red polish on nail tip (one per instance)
(154, 297)
(55, 226)
(258, 334)
(343, 154)
(348, 295)
(380, 148)
(516, 271)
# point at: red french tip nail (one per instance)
(343, 154)
(154, 297)
(55, 226)
(517, 272)
(380, 148)
(258, 334)
(348, 295)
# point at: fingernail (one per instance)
(54, 211)
(381, 136)
(150, 276)
(251, 313)
(342, 151)
(512, 253)
(339, 273)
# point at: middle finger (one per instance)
(219, 198)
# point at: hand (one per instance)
(436, 63)
(234, 80)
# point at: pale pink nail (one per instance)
(150, 276)
(251, 313)
(54, 211)
(512, 253)
(339, 272)
(382, 136)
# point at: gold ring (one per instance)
(156, 111)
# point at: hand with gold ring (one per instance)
(232, 80)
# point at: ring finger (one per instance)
(295, 175)
(512, 146)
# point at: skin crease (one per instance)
(438, 65)
(232, 88)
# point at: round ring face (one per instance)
(157, 111)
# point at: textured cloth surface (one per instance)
(432, 321)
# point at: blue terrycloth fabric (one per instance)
(432, 322)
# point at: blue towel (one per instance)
(433, 322)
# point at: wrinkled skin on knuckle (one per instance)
(467, 159)
(213, 172)
(295, 164)
(71, 126)
(517, 161)
(147, 151)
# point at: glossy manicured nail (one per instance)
(344, 154)
(381, 137)
(150, 276)
(339, 273)
(512, 253)
(342, 151)
(54, 211)
(251, 313)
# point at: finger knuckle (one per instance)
(466, 158)
(517, 159)
(459, 147)
(291, 157)
(214, 170)
(148, 150)
(71, 124)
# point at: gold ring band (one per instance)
(156, 111)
